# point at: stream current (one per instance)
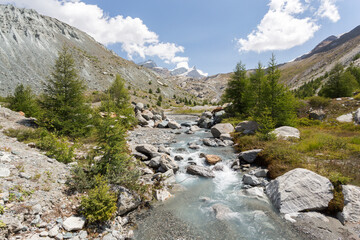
(189, 214)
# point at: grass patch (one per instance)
(188, 111)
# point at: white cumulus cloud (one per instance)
(287, 24)
(133, 35)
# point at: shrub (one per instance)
(318, 102)
(1, 209)
(100, 204)
(306, 122)
(24, 134)
(24, 100)
(56, 148)
(337, 203)
(80, 180)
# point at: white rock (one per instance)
(4, 172)
(221, 128)
(54, 231)
(299, 190)
(74, 223)
(351, 211)
(174, 125)
(347, 118)
(286, 132)
(162, 195)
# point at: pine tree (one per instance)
(63, 100)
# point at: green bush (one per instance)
(1, 210)
(318, 102)
(100, 204)
(306, 122)
(57, 148)
(24, 100)
(80, 180)
(24, 134)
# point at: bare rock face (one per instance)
(351, 211)
(221, 128)
(286, 132)
(127, 201)
(299, 190)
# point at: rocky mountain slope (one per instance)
(29, 45)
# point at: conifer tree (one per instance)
(63, 100)
(25, 101)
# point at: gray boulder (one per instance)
(249, 156)
(206, 115)
(261, 173)
(210, 142)
(221, 128)
(194, 128)
(167, 163)
(247, 127)
(139, 106)
(147, 115)
(286, 132)
(251, 180)
(127, 201)
(157, 117)
(147, 149)
(226, 136)
(300, 190)
(205, 123)
(163, 149)
(318, 114)
(142, 121)
(155, 162)
(174, 125)
(74, 223)
(351, 211)
(200, 171)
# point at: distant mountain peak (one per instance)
(148, 64)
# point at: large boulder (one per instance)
(300, 190)
(247, 127)
(351, 211)
(147, 149)
(318, 114)
(174, 125)
(163, 124)
(205, 123)
(127, 201)
(212, 159)
(346, 118)
(249, 156)
(74, 223)
(286, 132)
(200, 171)
(139, 106)
(221, 128)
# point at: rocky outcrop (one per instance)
(351, 211)
(249, 156)
(286, 132)
(221, 128)
(247, 127)
(300, 190)
(200, 171)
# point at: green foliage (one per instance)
(2, 210)
(261, 97)
(118, 101)
(150, 91)
(306, 122)
(318, 102)
(63, 100)
(356, 57)
(2, 224)
(80, 180)
(158, 90)
(55, 147)
(309, 88)
(115, 163)
(100, 204)
(24, 134)
(340, 84)
(24, 100)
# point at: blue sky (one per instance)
(210, 34)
